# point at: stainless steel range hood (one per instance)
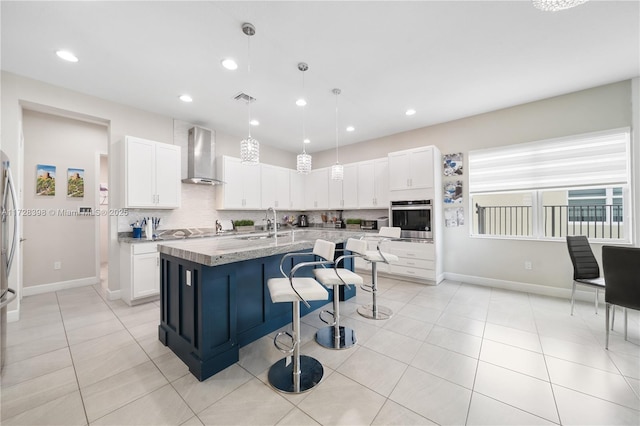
(200, 158)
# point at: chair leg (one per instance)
(607, 309)
(374, 311)
(573, 295)
(613, 316)
(300, 373)
(336, 336)
(625, 323)
(596, 301)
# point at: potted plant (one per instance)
(353, 223)
(244, 225)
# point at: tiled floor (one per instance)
(452, 354)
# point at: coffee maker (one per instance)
(303, 221)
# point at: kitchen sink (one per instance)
(262, 237)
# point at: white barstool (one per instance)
(373, 310)
(302, 372)
(336, 336)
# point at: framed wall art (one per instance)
(45, 180)
(452, 164)
(75, 183)
(454, 217)
(453, 192)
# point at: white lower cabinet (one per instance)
(415, 259)
(139, 272)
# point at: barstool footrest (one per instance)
(327, 337)
(379, 313)
(367, 287)
(281, 374)
(282, 348)
(330, 313)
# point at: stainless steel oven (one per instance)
(413, 217)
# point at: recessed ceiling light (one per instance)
(350, 129)
(67, 56)
(301, 102)
(410, 111)
(306, 141)
(186, 98)
(254, 122)
(229, 64)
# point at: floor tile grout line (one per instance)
(75, 372)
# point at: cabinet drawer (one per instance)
(425, 274)
(144, 248)
(415, 263)
(427, 248)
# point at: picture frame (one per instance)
(452, 164)
(75, 183)
(45, 180)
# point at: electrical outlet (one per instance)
(527, 265)
(57, 265)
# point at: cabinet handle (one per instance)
(411, 254)
(410, 263)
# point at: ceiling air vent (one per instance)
(244, 97)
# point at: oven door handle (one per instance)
(403, 208)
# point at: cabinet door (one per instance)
(233, 187)
(350, 187)
(335, 194)
(268, 184)
(366, 185)
(139, 157)
(381, 183)
(146, 275)
(251, 186)
(296, 190)
(317, 189)
(282, 200)
(421, 166)
(167, 172)
(399, 171)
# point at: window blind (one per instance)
(600, 158)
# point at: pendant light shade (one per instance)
(337, 170)
(249, 147)
(303, 163)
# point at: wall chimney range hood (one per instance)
(200, 158)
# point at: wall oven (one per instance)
(413, 217)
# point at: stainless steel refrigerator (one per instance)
(9, 228)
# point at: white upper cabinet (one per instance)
(151, 174)
(241, 189)
(275, 187)
(316, 195)
(411, 169)
(296, 190)
(343, 194)
(373, 184)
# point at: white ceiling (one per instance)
(446, 59)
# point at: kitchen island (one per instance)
(214, 296)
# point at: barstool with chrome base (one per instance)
(302, 372)
(373, 310)
(336, 336)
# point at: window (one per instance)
(577, 185)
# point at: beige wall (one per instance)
(59, 237)
(600, 108)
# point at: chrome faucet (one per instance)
(274, 224)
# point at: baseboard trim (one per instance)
(542, 290)
(60, 285)
(113, 294)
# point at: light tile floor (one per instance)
(452, 354)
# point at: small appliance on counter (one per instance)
(303, 221)
(382, 221)
(368, 224)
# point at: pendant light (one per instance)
(303, 163)
(249, 147)
(337, 170)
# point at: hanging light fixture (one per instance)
(303, 163)
(337, 170)
(556, 5)
(249, 147)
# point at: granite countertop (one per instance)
(220, 251)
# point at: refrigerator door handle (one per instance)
(9, 299)
(9, 187)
